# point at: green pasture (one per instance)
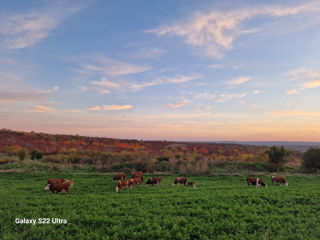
(220, 207)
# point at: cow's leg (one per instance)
(257, 182)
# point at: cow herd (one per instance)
(64, 185)
(259, 182)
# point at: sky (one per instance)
(165, 70)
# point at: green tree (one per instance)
(23, 153)
(311, 159)
(277, 158)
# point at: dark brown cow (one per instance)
(255, 181)
(191, 184)
(279, 179)
(61, 187)
(119, 176)
(137, 175)
(180, 180)
(135, 181)
(55, 180)
(123, 184)
(154, 180)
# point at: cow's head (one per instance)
(47, 187)
(286, 184)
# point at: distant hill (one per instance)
(56, 143)
(298, 146)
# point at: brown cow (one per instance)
(55, 180)
(178, 180)
(137, 175)
(255, 181)
(119, 176)
(154, 180)
(61, 187)
(191, 184)
(123, 184)
(279, 179)
(135, 181)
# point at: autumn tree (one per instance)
(23, 153)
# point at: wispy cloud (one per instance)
(295, 113)
(40, 108)
(239, 80)
(113, 68)
(26, 96)
(177, 104)
(116, 107)
(229, 96)
(254, 106)
(147, 53)
(26, 29)
(94, 108)
(216, 31)
(292, 92)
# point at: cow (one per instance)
(123, 184)
(154, 180)
(56, 187)
(279, 179)
(180, 180)
(256, 181)
(191, 184)
(119, 176)
(55, 180)
(137, 175)
(135, 181)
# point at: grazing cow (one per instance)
(255, 181)
(55, 180)
(123, 184)
(135, 181)
(137, 175)
(279, 179)
(119, 176)
(61, 187)
(191, 184)
(178, 180)
(154, 180)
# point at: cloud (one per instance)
(216, 31)
(292, 92)
(239, 80)
(255, 106)
(177, 104)
(26, 29)
(295, 113)
(40, 108)
(312, 84)
(94, 108)
(256, 91)
(105, 83)
(116, 107)
(147, 53)
(203, 108)
(205, 95)
(228, 96)
(24, 96)
(114, 68)
(182, 79)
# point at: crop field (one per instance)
(220, 207)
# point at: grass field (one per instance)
(220, 207)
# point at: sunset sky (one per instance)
(174, 70)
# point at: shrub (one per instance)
(23, 154)
(35, 154)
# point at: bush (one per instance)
(23, 154)
(35, 154)
(311, 159)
